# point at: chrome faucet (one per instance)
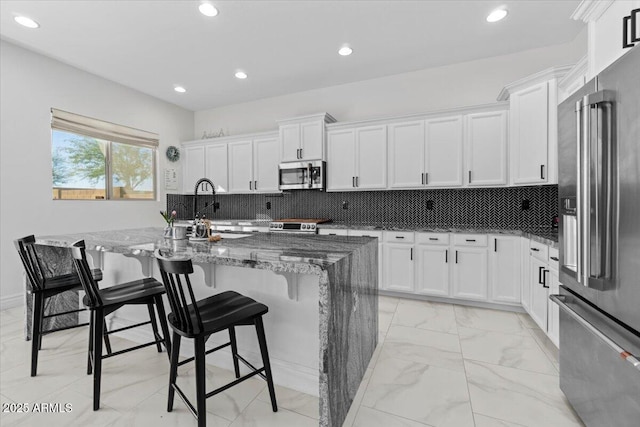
(204, 183)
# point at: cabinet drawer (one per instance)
(367, 233)
(553, 258)
(432, 238)
(539, 251)
(399, 236)
(333, 231)
(470, 239)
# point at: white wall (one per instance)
(468, 83)
(30, 84)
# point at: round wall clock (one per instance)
(173, 153)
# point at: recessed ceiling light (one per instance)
(241, 75)
(26, 22)
(497, 15)
(345, 51)
(207, 9)
(179, 89)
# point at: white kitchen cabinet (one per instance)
(486, 148)
(241, 167)
(265, 165)
(539, 293)
(398, 266)
(432, 257)
(253, 166)
(504, 268)
(193, 167)
(553, 311)
(303, 138)
(217, 167)
(470, 275)
(333, 232)
(525, 278)
(406, 154)
(357, 159)
(443, 152)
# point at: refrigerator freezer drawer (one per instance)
(602, 386)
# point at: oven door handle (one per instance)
(560, 300)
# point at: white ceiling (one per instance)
(284, 46)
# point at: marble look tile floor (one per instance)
(436, 365)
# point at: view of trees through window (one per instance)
(81, 169)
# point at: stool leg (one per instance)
(162, 317)
(201, 403)
(90, 352)
(173, 372)
(42, 310)
(154, 325)
(234, 350)
(36, 322)
(265, 361)
(98, 327)
(107, 343)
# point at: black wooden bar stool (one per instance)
(103, 302)
(198, 320)
(42, 288)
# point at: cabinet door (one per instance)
(406, 155)
(216, 165)
(312, 140)
(539, 293)
(433, 270)
(193, 167)
(341, 160)
(529, 135)
(553, 311)
(443, 138)
(469, 273)
(504, 269)
(487, 148)
(240, 167)
(398, 267)
(525, 289)
(290, 142)
(371, 158)
(266, 158)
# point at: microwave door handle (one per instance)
(309, 175)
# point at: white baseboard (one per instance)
(517, 308)
(286, 374)
(10, 301)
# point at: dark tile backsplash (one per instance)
(468, 207)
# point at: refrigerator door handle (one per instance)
(560, 300)
(579, 145)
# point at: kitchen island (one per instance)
(340, 273)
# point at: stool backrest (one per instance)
(84, 272)
(175, 276)
(31, 262)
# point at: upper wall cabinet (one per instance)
(302, 138)
(356, 159)
(533, 125)
(486, 148)
(406, 154)
(204, 160)
(253, 166)
(443, 152)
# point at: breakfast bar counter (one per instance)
(343, 269)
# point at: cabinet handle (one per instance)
(540, 279)
(255, 185)
(433, 238)
(544, 278)
(456, 257)
(495, 245)
(422, 178)
(399, 237)
(541, 171)
(554, 258)
(301, 156)
(446, 256)
(426, 178)
(357, 181)
(470, 240)
(411, 254)
(535, 249)
(250, 185)
(469, 177)
(353, 181)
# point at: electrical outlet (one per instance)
(345, 205)
(429, 205)
(268, 205)
(525, 204)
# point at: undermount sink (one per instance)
(230, 235)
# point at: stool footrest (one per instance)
(133, 348)
(63, 313)
(250, 366)
(185, 400)
(127, 327)
(191, 359)
(64, 328)
(232, 383)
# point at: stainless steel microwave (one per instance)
(309, 175)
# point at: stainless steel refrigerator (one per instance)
(599, 233)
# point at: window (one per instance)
(93, 159)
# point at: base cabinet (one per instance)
(539, 293)
(504, 269)
(470, 273)
(398, 267)
(433, 270)
(553, 311)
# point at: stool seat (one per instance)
(219, 312)
(128, 293)
(67, 281)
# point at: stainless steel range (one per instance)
(297, 225)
